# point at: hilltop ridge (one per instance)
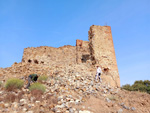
(71, 86)
(99, 50)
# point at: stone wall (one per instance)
(103, 53)
(50, 56)
(82, 51)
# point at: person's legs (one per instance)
(29, 80)
(96, 76)
(99, 77)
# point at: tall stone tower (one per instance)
(103, 53)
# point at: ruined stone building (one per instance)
(99, 50)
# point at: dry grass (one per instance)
(14, 83)
(10, 97)
(51, 99)
(37, 94)
(42, 78)
(37, 86)
(112, 97)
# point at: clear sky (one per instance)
(33, 23)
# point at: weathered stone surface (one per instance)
(120, 111)
(103, 53)
(85, 111)
(81, 93)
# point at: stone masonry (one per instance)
(103, 53)
(99, 50)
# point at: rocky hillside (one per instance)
(72, 89)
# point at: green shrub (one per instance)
(139, 87)
(148, 90)
(43, 78)
(142, 86)
(147, 82)
(37, 86)
(127, 87)
(14, 83)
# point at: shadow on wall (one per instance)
(85, 58)
(106, 70)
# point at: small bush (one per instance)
(139, 87)
(14, 83)
(37, 86)
(37, 94)
(142, 86)
(43, 78)
(10, 97)
(127, 87)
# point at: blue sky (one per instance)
(33, 23)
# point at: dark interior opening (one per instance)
(106, 69)
(42, 62)
(36, 62)
(29, 61)
(85, 58)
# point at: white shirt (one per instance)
(99, 70)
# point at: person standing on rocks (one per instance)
(98, 73)
(32, 78)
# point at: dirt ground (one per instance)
(123, 102)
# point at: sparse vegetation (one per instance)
(142, 86)
(37, 94)
(127, 87)
(11, 97)
(43, 78)
(14, 83)
(37, 86)
(113, 97)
